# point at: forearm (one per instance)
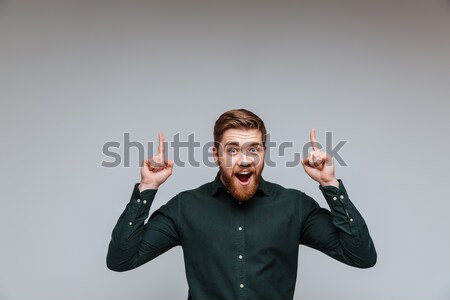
(126, 238)
(355, 245)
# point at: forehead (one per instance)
(241, 136)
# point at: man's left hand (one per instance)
(319, 165)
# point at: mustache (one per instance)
(249, 169)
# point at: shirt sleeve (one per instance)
(134, 243)
(340, 232)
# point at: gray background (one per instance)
(76, 74)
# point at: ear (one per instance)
(216, 155)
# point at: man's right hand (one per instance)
(156, 170)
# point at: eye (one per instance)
(254, 149)
(232, 150)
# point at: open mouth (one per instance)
(244, 177)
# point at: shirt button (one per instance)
(240, 256)
(242, 286)
(145, 201)
(342, 197)
(240, 228)
(131, 223)
(138, 200)
(334, 198)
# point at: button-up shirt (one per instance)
(240, 249)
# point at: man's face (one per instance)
(240, 157)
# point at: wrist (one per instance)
(147, 186)
(334, 182)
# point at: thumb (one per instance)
(305, 162)
(145, 163)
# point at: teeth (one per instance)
(244, 173)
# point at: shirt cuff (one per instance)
(334, 195)
(142, 198)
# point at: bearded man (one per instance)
(240, 234)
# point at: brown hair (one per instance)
(237, 119)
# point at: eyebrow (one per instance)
(256, 144)
(233, 143)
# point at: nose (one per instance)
(245, 161)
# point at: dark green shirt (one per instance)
(240, 250)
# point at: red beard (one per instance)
(237, 190)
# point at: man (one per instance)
(240, 234)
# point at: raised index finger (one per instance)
(161, 145)
(312, 137)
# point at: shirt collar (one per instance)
(218, 184)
